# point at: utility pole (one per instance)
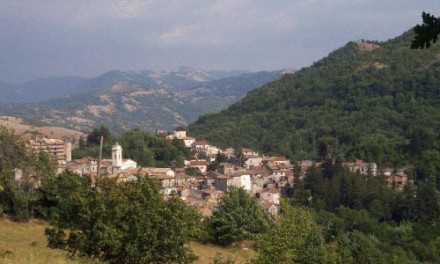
(100, 156)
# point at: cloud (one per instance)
(176, 35)
(63, 37)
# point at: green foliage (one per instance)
(363, 221)
(294, 238)
(356, 247)
(21, 170)
(238, 217)
(94, 137)
(145, 148)
(426, 32)
(370, 99)
(219, 259)
(121, 223)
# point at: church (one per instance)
(117, 163)
(89, 165)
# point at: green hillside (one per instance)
(379, 100)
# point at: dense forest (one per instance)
(379, 101)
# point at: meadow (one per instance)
(26, 243)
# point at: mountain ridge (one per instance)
(40, 90)
(369, 96)
(122, 100)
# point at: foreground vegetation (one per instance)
(26, 243)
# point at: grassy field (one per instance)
(25, 243)
(20, 128)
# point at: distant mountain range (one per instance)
(122, 100)
(45, 89)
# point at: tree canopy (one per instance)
(426, 33)
(294, 238)
(21, 171)
(238, 217)
(126, 222)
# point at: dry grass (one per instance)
(366, 46)
(207, 253)
(20, 129)
(27, 244)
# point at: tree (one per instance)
(82, 143)
(295, 238)
(21, 170)
(356, 247)
(426, 32)
(237, 218)
(121, 222)
(93, 137)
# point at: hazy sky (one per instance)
(45, 38)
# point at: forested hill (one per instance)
(379, 101)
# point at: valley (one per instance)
(123, 100)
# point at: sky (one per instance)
(50, 38)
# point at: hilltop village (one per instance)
(203, 180)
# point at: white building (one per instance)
(178, 134)
(361, 167)
(202, 165)
(118, 163)
(270, 195)
(238, 180)
(189, 141)
(253, 161)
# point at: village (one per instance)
(201, 185)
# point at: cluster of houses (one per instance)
(265, 177)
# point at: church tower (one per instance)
(117, 155)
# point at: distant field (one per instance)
(27, 244)
(20, 128)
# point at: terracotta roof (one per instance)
(162, 177)
(278, 158)
(155, 170)
(257, 168)
(106, 163)
(201, 142)
(359, 162)
(240, 173)
(198, 163)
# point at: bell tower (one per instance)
(116, 155)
